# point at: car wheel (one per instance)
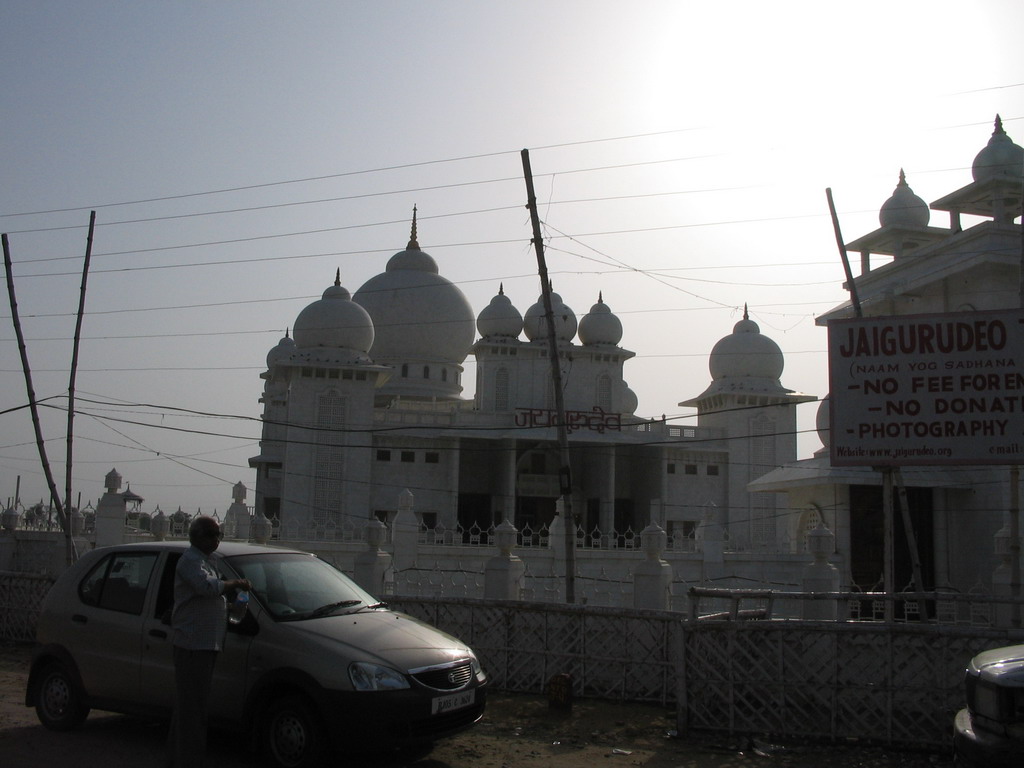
(292, 734)
(59, 704)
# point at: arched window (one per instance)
(405, 370)
(444, 374)
(426, 371)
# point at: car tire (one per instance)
(59, 703)
(293, 736)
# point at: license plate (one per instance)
(452, 701)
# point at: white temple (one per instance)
(364, 402)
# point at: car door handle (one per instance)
(79, 618)
(158, 633)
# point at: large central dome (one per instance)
(419, 318)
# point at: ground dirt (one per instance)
(518, 731)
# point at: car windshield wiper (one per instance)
(369, 607)
(323, 610)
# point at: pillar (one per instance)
(652, 581)
(405, 532)
(373, 564)
(237, 518)
(505, 572)
(111, 513)
(820, 576)
(709, 536)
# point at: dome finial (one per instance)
(746, 314)
(287, 333)
(600, 297)
(413, 244)
(501, 289)
(337, 277)
(903, 178)
(999, 125)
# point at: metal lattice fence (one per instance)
(897, 684)
(892, 684)
(21, 596)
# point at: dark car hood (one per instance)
(395, 638)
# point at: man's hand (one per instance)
(237, 585)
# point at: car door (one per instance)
(227, 696)
(156, 665)
(105, 627)
(231, 678)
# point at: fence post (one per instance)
(404, 532)
(237, 516)
(709, 533)
(504, 573)
(652, 582)
(1002, 576)
(111, 512)
(821, 575)
(372, 564)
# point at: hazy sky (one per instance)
(237, 154)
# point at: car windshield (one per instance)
(293, 586)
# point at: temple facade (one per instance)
(363, 401)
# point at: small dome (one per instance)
(1000, 158)
(600, 326)
(904, 208)
(335, 321)
(282, 351)
(536, 327)
(746, 353)
(500, 318)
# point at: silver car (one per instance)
(989, 731)
(316, 663)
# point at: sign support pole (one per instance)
(888, 503)
(1015, 618)
(908, 528)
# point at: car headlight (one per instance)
(478, 671)
(373, 677)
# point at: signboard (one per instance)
(927, 389)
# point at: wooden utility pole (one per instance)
(851, 285)
(33, 405)
(72, 554)
(564, 474)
